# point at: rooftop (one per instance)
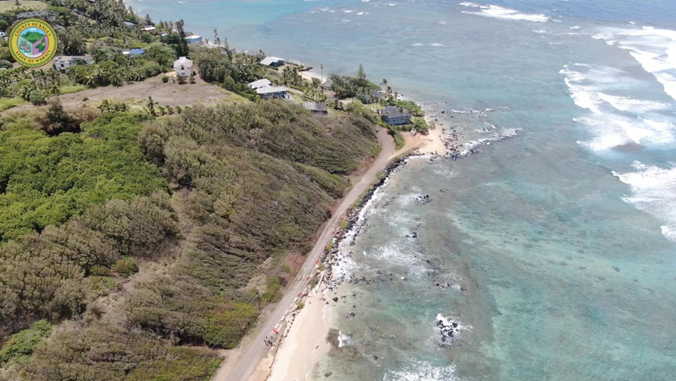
(394, 112)
(260, 83)
(271, 90)
(271, 60)
(183, 61)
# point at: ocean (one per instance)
(554, 250)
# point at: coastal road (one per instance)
(251, 356)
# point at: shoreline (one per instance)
(304, 342)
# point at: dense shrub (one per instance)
(36, 97)
(45, 180)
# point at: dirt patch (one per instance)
(165, 94)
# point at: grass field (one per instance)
(7, 103)
(10, 5)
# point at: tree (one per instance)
(148, 20)
(182, 47)
(150, 106)
(58, 120)
(71, 42)
(361, 81)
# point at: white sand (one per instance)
(426, 144)
(306, 342)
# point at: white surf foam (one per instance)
(632, 105)
(613, 120)
(421, 371)
(654, 49)
(436, 44)
(654, 191)
(495, 11)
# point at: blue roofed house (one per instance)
(395, 116)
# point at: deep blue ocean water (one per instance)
(559, 242)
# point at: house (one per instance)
(183, 67)
(395, 116)
(271, 92)
(194, 39)
(272, 61)
(129, 25)
(371, 96)
(137, 52)
(316, 108)
(66, 62)
(148, 28)
(260, 84)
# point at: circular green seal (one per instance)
(33, 42)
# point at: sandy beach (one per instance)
(306, 342)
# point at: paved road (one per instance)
(257, 350)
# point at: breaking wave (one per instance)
(422, 371)
(654, 49)
(653, 191)
(502, 13)
(616, 120)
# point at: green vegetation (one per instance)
(274, 290)
(7, 103)
(93, 240)
(182, 363)
(399, 141)
(46, 180)
(22, 344)
(349, 87)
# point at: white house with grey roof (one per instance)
(183, 67)
(260, 83)
(271, 92)
(66, 62)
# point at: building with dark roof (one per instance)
(371, 96)
(395, 116)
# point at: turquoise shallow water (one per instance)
(561, 238)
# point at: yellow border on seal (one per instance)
(14, 42)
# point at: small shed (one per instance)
(272, 61)
(260, 83)
(395, 116)
(271, 92)
(183, 67)
(316, 108)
